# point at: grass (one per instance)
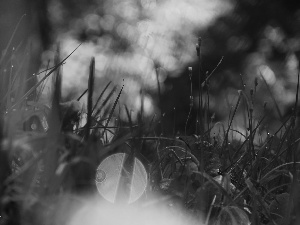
(48, 177)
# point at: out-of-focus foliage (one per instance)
(131, 39)
(258, 38)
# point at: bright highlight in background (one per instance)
(109, 175)
(130, 39)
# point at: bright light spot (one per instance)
(282, 94)
(92, 21)
(292, 62)
(148, 105)
(274, 34)
(82, 120)
(94, 213)
(267, 73)
(292, 66)
(109, 178)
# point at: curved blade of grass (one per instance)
(100, 96)
(114, 144)
(273, 189)
(275, 174)
(105, 101)
(274, 169)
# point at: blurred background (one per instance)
(140, 43)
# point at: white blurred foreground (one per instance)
(95, 212)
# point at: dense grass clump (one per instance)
(49, 157)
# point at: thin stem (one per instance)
(191, 100)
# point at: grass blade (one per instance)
(129, 119)
(100, 96)
(90, 97)
(10, 40)
(42, 80)
(105, 101)
(113, 108)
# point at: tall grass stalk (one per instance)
(90, 97)
(199, 127)
(191, 99)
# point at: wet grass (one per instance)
(212, 177)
